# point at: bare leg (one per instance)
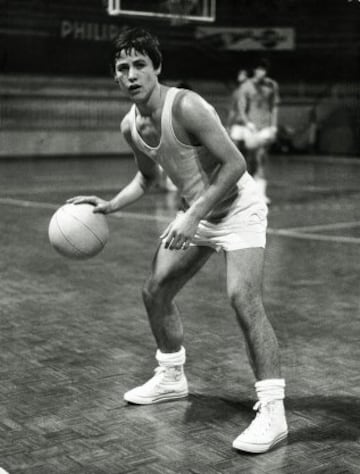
(244, 282)
(260, 162)
(244, 272)
(171, 270)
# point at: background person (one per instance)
(258, 113)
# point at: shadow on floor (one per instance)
(334, 417)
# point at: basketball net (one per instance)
(180, 9)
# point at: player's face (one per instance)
(259, 73)
(242, 75)
(136, 75)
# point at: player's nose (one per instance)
(132, 74)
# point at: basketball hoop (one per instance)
(182, 7)
(180, 10)
(177, 11)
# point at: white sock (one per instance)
(171, 359)
(173, 363)
(270, 390)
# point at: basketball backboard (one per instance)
(201, 11)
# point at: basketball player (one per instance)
(179, 130)
(257, 117)
(235, 117)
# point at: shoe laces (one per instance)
(157, 378)
(159, 371)
(262, 421)
(260, 405)
(164, 374)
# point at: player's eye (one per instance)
(122, 69)
(140, 65)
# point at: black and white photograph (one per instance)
(180, 236)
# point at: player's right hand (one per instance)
(100, 205)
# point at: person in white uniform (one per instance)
(178, 130)
(256, 121)
(234, 118)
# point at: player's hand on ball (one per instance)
(180, 232)
(100, 205)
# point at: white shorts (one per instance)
(253, 138)
(243, 227)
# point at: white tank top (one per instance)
(190, 167)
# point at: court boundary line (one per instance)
(296, 232)
(333, 226)
(116, 186)
(321, 159)
(313, 236)
(45, 189)
(118, 215)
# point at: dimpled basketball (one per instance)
(76, 232)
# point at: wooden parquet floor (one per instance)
(74, 336)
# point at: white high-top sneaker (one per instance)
(269, 426)
(267, 429)
(168, 383)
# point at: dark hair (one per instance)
(262, 63)
(142, 41)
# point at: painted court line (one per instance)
(23, 203)
(295, 232)
(313, 236)
(333, 226)
(118, 215)
(64, 188)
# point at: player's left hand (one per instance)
(180, 232)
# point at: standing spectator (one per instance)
(258, 100)
(235, 118)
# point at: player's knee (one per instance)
(150, 292)
(238, 299)
(153, 291)
(246, 302)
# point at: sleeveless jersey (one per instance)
(259, 99)
(191, 168)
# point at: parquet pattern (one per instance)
(74, 337)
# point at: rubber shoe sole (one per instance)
(258, 448)
(165, 397)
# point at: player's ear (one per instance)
(158, 70)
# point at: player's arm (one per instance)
(275, 106)
(230, 120)
(242, 105)
(200, 121)
(142, 181)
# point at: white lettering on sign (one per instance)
(86, 31)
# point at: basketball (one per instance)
(76, 232)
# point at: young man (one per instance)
(258, 100)
(235, 119)
(177, 129)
